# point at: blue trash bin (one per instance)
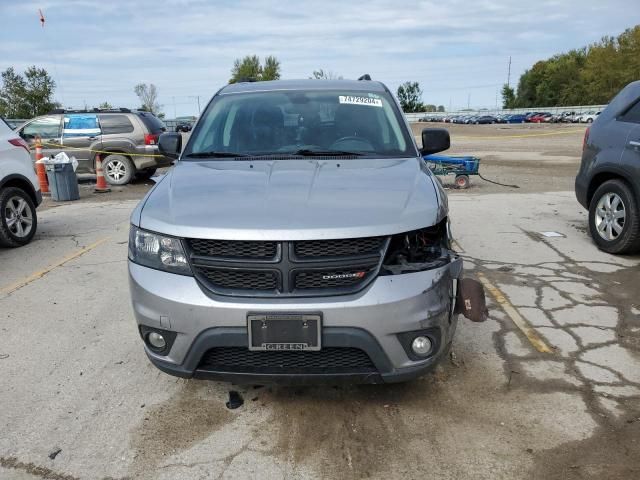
(63, 182)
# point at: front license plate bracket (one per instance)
(284, 331)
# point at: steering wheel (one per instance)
(368, 146)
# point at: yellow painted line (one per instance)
(526, 135)
(41, 273)
(528, 331)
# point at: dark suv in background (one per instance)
(130, 137)
(608, 183)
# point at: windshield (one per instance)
(299, 122)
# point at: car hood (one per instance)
(293, 199)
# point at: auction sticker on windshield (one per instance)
(348, 99)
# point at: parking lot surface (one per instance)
(548, 387)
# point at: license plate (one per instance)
(284, 331)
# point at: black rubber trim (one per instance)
(331, 336)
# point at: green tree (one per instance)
(508, 96)
(12, 94)
(410, 97)
(105, 106)
(148, 95)
(39, 91)
(271, 68)
(26, 96)
(249, 69)
(325, 75)
(441, 108)
(590, 75)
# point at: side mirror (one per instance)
(435, 140)
(170, 144)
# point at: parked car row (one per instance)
(529, 117)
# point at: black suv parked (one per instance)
(608, 183)
(130, 137)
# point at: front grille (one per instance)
(274, 268)
(330, 278)
(233, 248)
(328, 361)
(240, 279)
(338, 248)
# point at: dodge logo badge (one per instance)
(344, 275)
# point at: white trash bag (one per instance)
(60, 158)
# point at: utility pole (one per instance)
(174, 108)
(509, 73)
(469, 102)
(197, 97)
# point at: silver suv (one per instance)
(299, 237)
(127, 138)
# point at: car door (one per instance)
(80, 135)
(631, 153)
(48, 128)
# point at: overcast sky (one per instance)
(458, 50)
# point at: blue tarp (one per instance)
(81, 125)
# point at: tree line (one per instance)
(28, 95)
(592, 75)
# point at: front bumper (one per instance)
(371, 320)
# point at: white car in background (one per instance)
(19, 190)
(588, 117)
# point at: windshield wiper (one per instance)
(215, 154)
(306, 152)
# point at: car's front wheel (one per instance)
(614, 218)
(118, 169)
(18, 219)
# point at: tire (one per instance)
(13, 232)
(589, 120)
(147, 173)
(462, 181)
(118, 169)
(614, 218)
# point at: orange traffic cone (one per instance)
(40, 170)
(101, 184)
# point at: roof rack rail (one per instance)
(366, 76)
(92, 110)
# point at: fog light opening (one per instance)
(156, 340)
(421, 345)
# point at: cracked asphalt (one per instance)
(74, 376)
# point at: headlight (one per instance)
(419, 250)
(157, 251)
